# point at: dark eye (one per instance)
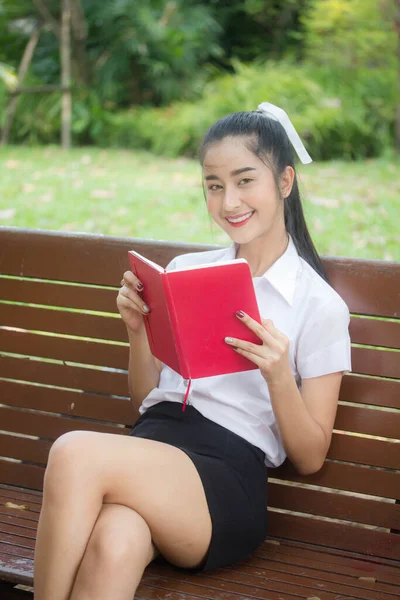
(244, 180)
(214, 187)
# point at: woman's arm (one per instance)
(143, 370)
(305, 420)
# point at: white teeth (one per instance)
(240, 219)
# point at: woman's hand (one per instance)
(130, 304)
(272, 356)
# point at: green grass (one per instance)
(352, 209)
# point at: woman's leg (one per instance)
(119, 550)
(87, 469)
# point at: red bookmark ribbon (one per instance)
(186, 396)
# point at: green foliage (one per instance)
(351, 34)
(333, 119)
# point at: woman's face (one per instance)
(241, 193)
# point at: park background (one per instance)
(149, 77)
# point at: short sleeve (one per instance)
(324, 344)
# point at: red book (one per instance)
(192, 310)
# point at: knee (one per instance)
(65, 462)
(114, 549)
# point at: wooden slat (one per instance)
(364, 480)
(78, 378)
(331, 581)
(375, 333)
(381, 363)
(365, 361)
(78, 351)
(63, 321)
(350, 448)
(369, 390)
(334, 506)
(80, 258)
(368, 421)
(30, 476)
(328, 560)
(55, 294)
(363, 331)
(92, 406)
(47, 426)
(240, 586)
(19, 492)
(23, 518)
(354, 539)
(368, 287)
(32, 507)
(365, 451)
(35, 451)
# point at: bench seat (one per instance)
(334, 535)
(278, 569)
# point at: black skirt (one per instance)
(232, 471)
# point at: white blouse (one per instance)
(303, 307)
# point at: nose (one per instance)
(231, 200)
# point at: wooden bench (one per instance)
(63, 358)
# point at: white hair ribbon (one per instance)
(278, 114)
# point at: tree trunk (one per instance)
(65, 50)
(23, 67)
(79, 31)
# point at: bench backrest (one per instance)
(63, 360)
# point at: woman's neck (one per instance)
(261, 253)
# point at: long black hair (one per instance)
(268, 140)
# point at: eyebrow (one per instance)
(233, 173)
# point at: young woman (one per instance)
(192, 485)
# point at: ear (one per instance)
(286, 181)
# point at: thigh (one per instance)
(157, 480)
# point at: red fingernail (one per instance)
(240, 314)
(139, 286)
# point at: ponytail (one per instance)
(268, 140)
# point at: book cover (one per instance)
(193, 310)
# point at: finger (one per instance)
(256, 359)
(130, 299)
(256, 327)
(130, 280)
(257, 349)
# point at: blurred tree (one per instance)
(152, 51)
(397, 29)
(351, 34)
(254, 29)
(131, 52)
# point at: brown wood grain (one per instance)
(64, 375)
(59, 294)
(334, 506)
(375, 332)
(366, 451)
(369, 287)
(337, 535)
(370, 390)
(368, 421)
(77, 351)
(352, 478)
(63, 321)
(49, 426)
(381, 363)
(68, 402)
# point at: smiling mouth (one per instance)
(240, 219)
